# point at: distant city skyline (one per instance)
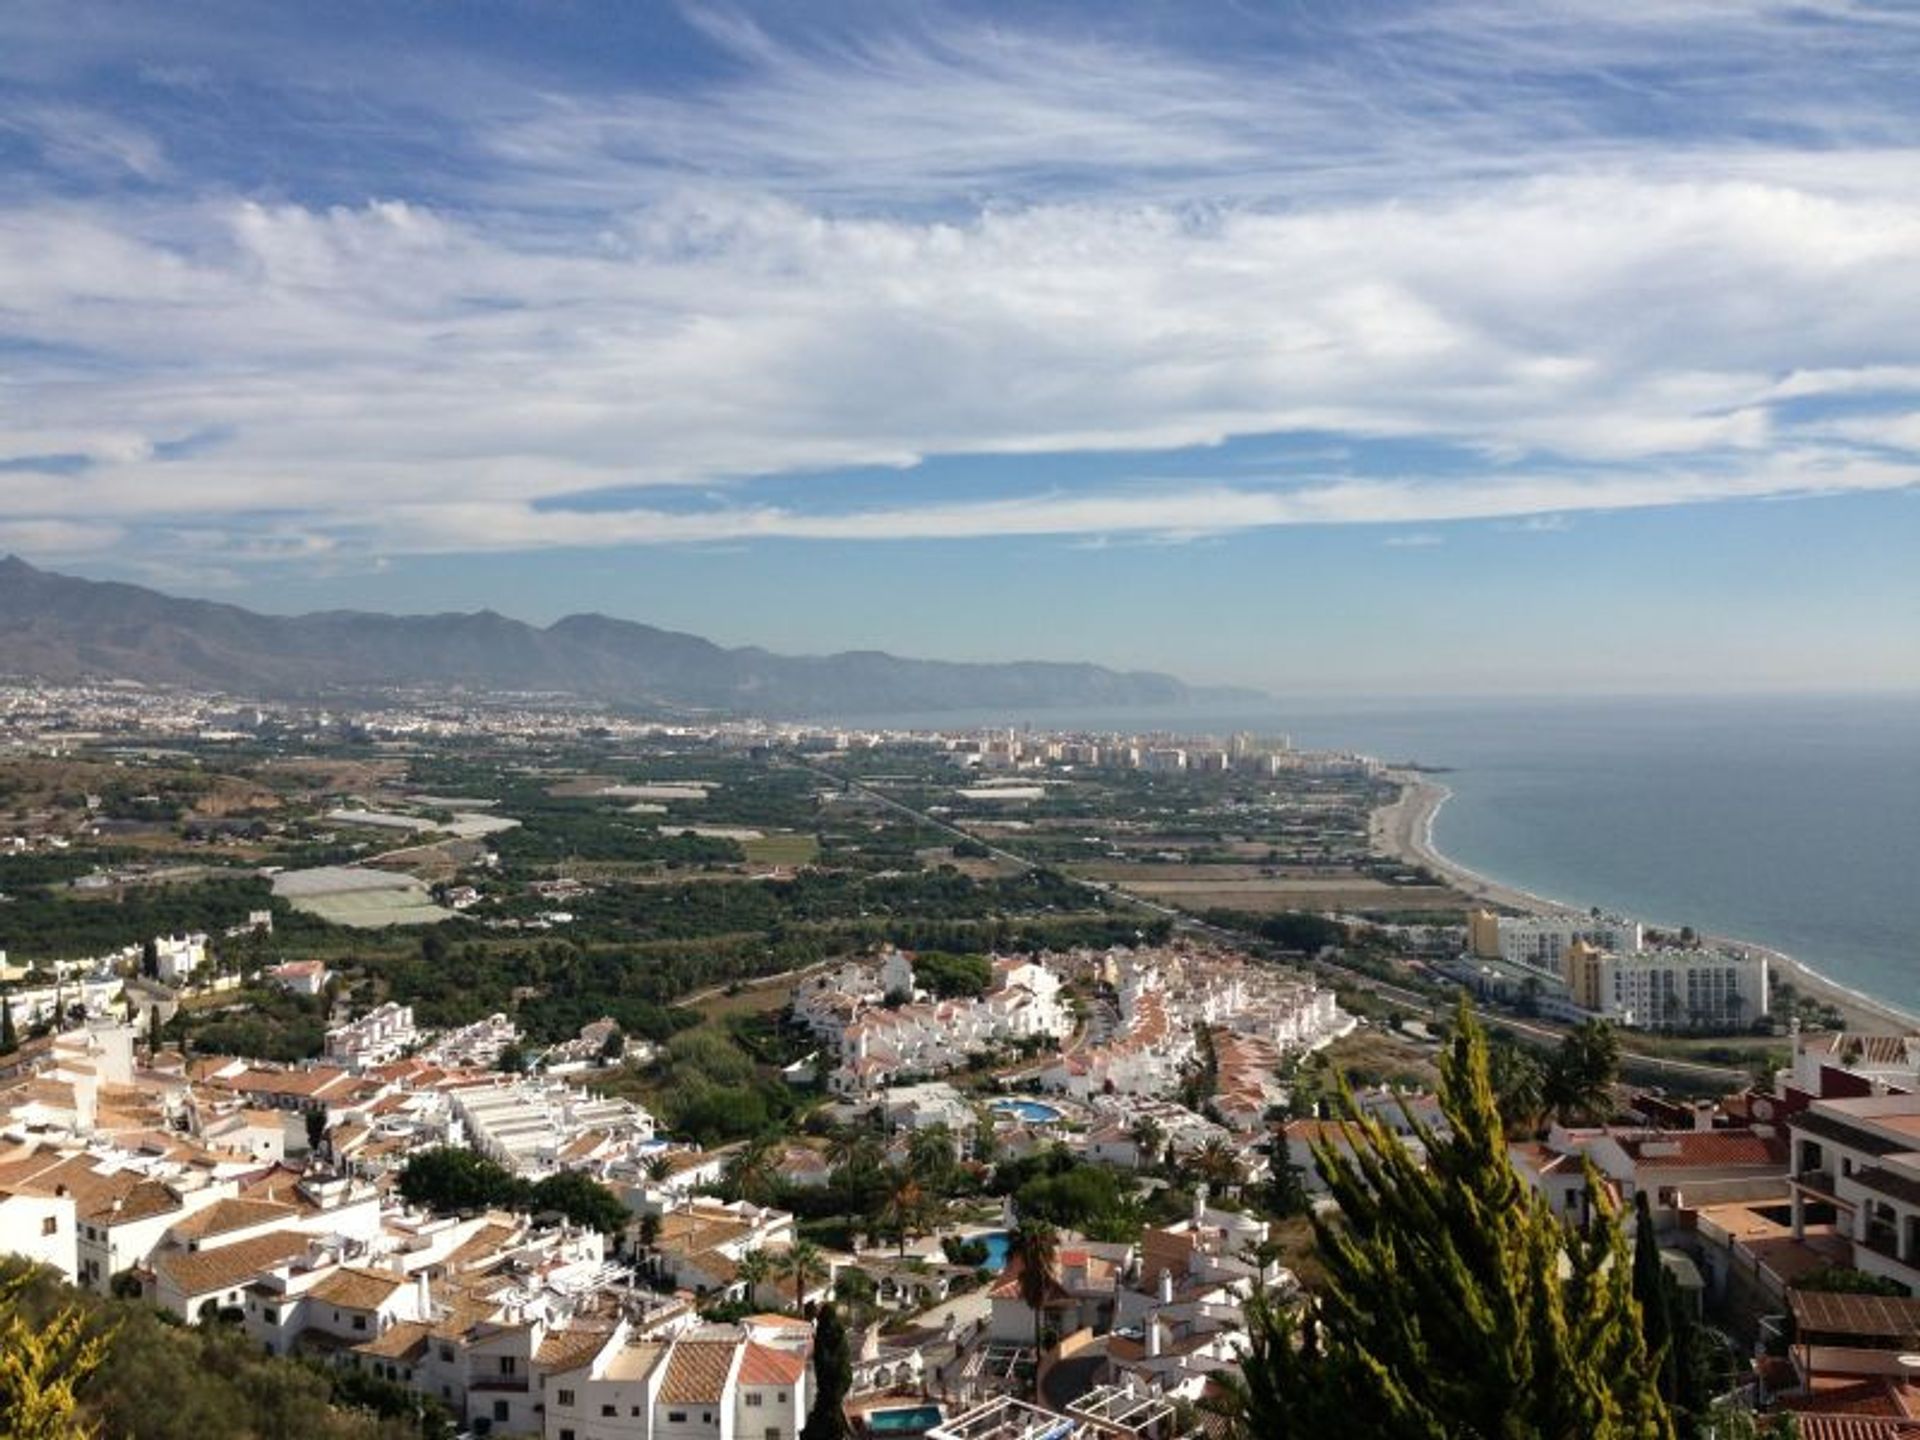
(1441, 348)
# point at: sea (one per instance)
(1788, 821)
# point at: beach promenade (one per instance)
(1404, 829)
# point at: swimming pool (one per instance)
(911, 1420)
(1031, 1111)
(996, 1243)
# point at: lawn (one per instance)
(782, 849)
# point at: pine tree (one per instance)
(1455, 1306)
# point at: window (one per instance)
(565, 1397)
(359, 1322)
(676, 1417)
(565, 1433)
(609, 1411)
(755, 1399)
(773, 1432)
(446, 1354)
(50, 1225)
(501, 1410)
(506, 1364)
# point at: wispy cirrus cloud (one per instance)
(1586, 266)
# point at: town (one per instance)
(563, 1075)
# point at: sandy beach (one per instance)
(1404, 830)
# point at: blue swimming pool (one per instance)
(1031, 1111)
(996, 1243)
(912, 1420)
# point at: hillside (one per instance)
(59, 627)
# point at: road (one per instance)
(1546, 1035)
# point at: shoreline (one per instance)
(1403, 829)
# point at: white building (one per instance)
(1670, 989)
(178, 956)
(384, 1033)
(1542, 941)
(535, 1127)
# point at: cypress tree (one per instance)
(1455, 1305)
(1652, 1289)
(9, 1036)
(833, 1373)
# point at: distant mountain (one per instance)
(58, 627)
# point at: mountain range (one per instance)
(61, 627)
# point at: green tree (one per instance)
(1034, 1245)
(43, 1364)
(9, 1036)
(1446, 1313)
(450, 1178)
(1519, 1087)
(833, 1378)
(754, 1270)
(1581, 1075)
(1653, 1291)
(804, 1265)
(582, 1199)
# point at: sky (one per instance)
(1453, 347)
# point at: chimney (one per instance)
(1166, 1285)
(423, 1294)
(1153, 1337)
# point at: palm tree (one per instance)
(1217, 1163)
(750, 1174)
(754, 1269)
(660, 1167)
(805, 1264)
(843, 1142)
(930, 1155)
(905, 1207)
(1035, 1245)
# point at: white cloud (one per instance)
(863, 252)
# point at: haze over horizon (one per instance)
(1383, 348)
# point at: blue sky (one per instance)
(1462, 346)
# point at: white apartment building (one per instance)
(530, 1125)
(1670, 989)
(1862, 1158)
(178, 956)
(711, 1383)
(880, 1045)
(383, 1034)
(1542, 941)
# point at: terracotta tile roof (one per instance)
(406, 1340)
(697, 1371)
(572, 1347)
(356, 1289)
(765, 1365)
(227, 1267)
(484, 1244)
(142, 1201)
(224, 1216)
(1695, 1148)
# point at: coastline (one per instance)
(1403, 829)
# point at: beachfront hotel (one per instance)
(1669, 988)
(1542, 941)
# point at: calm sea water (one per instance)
(1790, 821)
